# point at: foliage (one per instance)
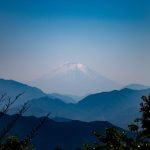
(115, 139)
(12, 142)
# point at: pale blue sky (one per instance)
(112, 37)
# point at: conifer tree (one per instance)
(114, 139)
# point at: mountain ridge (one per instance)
(53, 134)
(136, 86)
(98, 106)
(101, 106)
(12, 88)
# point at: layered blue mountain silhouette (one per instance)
(67, 135)
(112, 106)
(13, 88)
(65, 98)
(119, 106)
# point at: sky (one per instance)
(112, 37)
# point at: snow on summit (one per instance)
(75, 79)
(68, 67)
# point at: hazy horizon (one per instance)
(111, 37)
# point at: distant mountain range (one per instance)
(111, 106)
(67, 135)
(65, 98)
(114, 106)
(76, 79)
(137, 87)
(13, 88)
(119, 106)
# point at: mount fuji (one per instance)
(75, 79)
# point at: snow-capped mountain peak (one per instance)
(67, 67)
(74, 78)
